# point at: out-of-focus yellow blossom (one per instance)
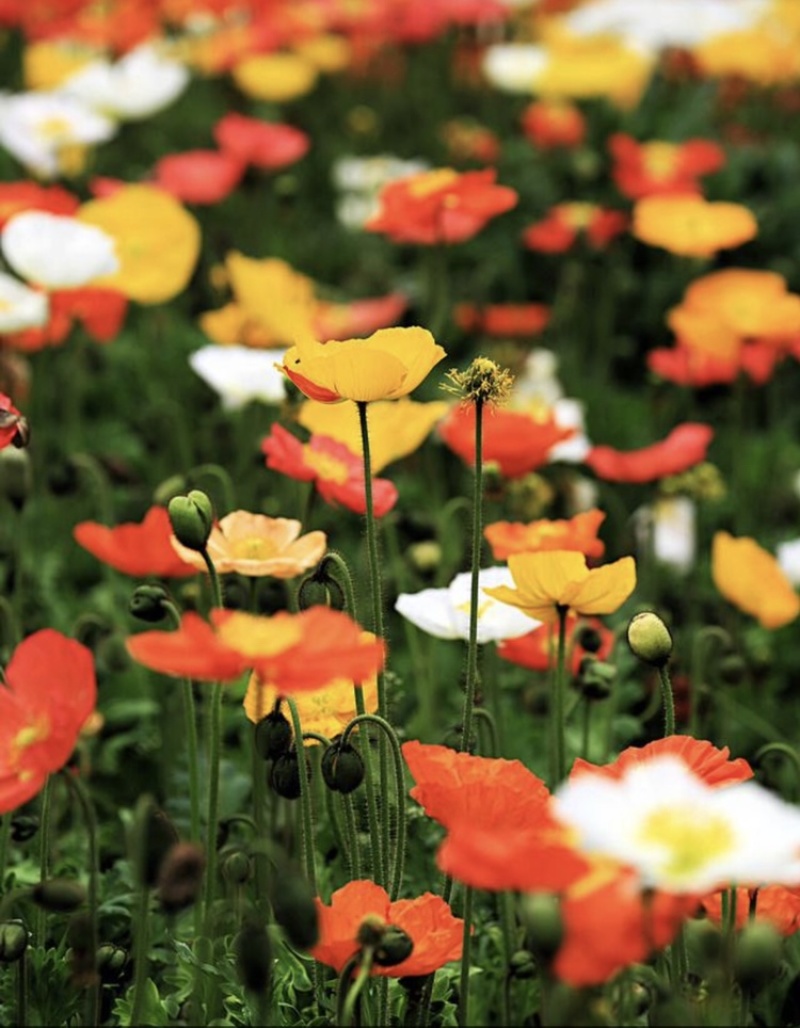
(275, 77)
(326, 711)
(49, 62)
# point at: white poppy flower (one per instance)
(239, 374)
(138, 85)
(569, 413)
(668, 530)
(680, 834)
(515, 67)
(444, 613)
(38, 127)
(788, 555)
(56, 251)
(21, 307)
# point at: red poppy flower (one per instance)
(704, 759)
(13, 426)
(336, 470)
(647, 169)
(517, 442)
(775, 904)
(684, 365)
(48, 694)
(359, 317)
(29, 196)
(440, 206)
(567, 222)
(101, 312)
(684, 447)
(503, 319)
(577, 533)
(537, 649)
(264, 144)
(436, 934)
(552, 123)
(198, 176)
(294, 652)
(135, 549)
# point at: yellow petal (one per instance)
(750, 578)
(606, 588)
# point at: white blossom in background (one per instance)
(36, 128)
(538, 385)
(788, 555)
(668, 530)
(21, 307)
(359, 180)
(680, 834)
(239, 374)
(514, 67)
(136, 86)
(444, 613)
(56, 251)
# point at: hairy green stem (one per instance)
(667, 700)
(90, 824)
(466, 959)
(472, 644)
(558, 758)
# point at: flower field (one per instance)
(400, 535)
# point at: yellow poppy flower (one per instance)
(396, 427)
(275, 77)
(47, 63)
(326, 711)
(551, 579)
(690, 226)
(387, 365)
(327, 53)
(751, 579)
(274, 296)
(157, 241)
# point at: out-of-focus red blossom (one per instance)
(136, 548)
(701, 757)
(358, 317)
(440, 206)
(100, 312)
(13, 426)
(294, 652)
(501, 833)
(537, 650)
(566, 223)
(437, 935)
(684, 447)
(553, 123)
(687, 366)
(203, 177)
(101, 186)
(337, 472)
(775, 904)
(576, 533)
(503, 319)
(30, 196)
(517, 442)
(647, 169)
(263, 144)
(48, 694)
(466, 140)
(117, 27)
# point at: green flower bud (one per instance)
(285, 775)
(147, 603)
(317, 591)
(589, 639)
(253, 955)
(59, 895)
(425, 556)
(596, 678)
(111, 961)
(13, 941)
(273, 736)
(394, 947)
(522, 964)
(237, 868)
(192, 518)
(181, 877)
(649, 639)
(758, 955)
(293, 906)
(540, 913)
(342, 768)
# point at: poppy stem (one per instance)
(466, 954)
(90, 822)
(477, 526)
(667, 701)
(376, 853)
(44, 854)
(22, 991)
(190, 718)
(306, 813)
(214, 754)
(5, 839)
(348, 998)
(557, 718)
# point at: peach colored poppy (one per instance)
(690, 226)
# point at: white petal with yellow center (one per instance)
(21, 307)
(57, 252)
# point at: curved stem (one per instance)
(472, 644)
(97, 479)
(667, 700)
(221, 476)
(485, 716)
(348, 997)
(345, 579)
(785, 750)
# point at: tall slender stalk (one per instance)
(558, 758)
(477, 527)
(214, 755)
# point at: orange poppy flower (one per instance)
(100, 312)
(566, 223)
(49, 692)
(554, 579)
(684, 447)
(553, 123)
(12, 423)
(778, 905)
(687, 366)
(294, 652)
(256, 545)
(30, 196)
(751, 579)
(202, 177)
(702, 758)
(516, 441)
(428, 920)
(263, 144)
(503, 319)
(135, 549)
(690, 226)
(337, 472)
(440, 206)
(659, 168)
(537, 650)
(577, 533)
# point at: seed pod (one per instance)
(596, 678)
(342, 768)
(273, 735)
(59, 895)
(589, 639)
(293, 905)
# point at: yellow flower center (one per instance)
(579, 215)
(54, 129)
(258, 636)
(482, 607)
(28, 736)
(253, 548)
(329, 468)
(660, 160)
(690, 839)
(431, 181)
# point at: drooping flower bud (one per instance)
(273, 735)
(147, 603)
(192, 518)
(596, 678)
(285, 775)
(237, 868)
(649, 639)
(342, 768)
(395, 946)
(180, 877)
